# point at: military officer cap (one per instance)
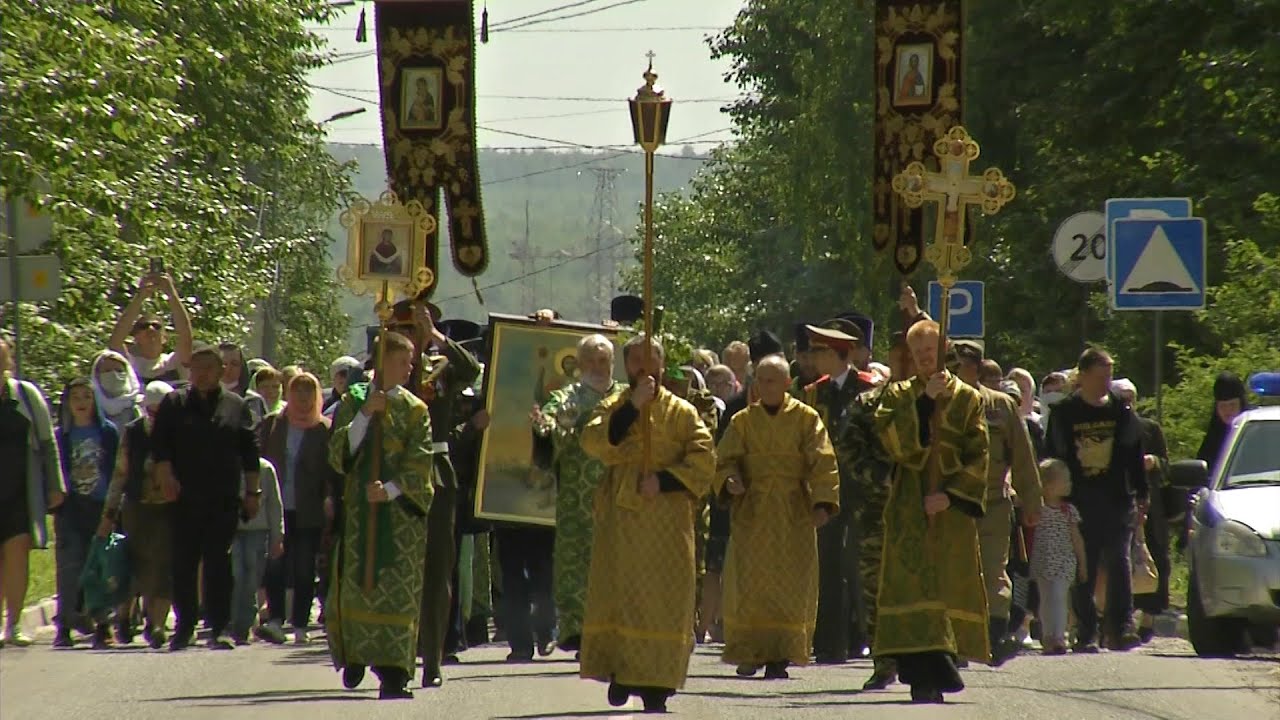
(836, 333)
(967, 350)
(626, 309)
(864, 323)
(460, 331)
(762, 345)
(402, 312)
(802, 337)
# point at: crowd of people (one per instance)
(806, 506)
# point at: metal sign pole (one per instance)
(11, 229)
(1159, 365)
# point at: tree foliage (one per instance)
(150, 129)
(1076, 102)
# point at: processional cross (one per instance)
(954, 190)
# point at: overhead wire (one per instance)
(509, 26)
(548, 11)
(539, 271)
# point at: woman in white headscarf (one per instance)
(116, 388)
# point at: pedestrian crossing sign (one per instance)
(1159, 264)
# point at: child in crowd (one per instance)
(88, 444)
(255, 540)
(1057, 555)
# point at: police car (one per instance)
(1234, 549)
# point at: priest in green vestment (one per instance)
(557, 431)
(932, 604)
(378, 628)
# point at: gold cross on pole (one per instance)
(954, 189)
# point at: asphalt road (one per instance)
(1161, 681)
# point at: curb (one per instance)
(1171, 626)
(37, 620)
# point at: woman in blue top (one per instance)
(88, 443)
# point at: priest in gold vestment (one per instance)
(637, 632)
(932, 602)
(777, 465)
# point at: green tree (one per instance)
(162, 130)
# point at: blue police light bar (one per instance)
(1265, 384)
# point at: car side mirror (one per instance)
(1189, 474)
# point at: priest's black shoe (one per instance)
(432, 679)
(352, 676)
(618, 694)
(655, 701)
(394, 692)
(925, 696)
(881, 679)
(776, 670)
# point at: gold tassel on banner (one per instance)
(360, 28)
(484, 27)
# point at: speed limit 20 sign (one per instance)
(1080, 247)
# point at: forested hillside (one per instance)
(560, 191)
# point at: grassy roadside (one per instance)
(43, 583)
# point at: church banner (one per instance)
(426, 74)
(919, 97)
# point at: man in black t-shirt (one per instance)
(1099, 438)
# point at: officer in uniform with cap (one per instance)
(464, 453)
(1011, 457)
(802, 369)
(438, 379)
(834, 344)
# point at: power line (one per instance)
(562, 98)
(540, 21)
(548, 11)
(539, 271)
(683, 28)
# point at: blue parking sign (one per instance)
(967, 316)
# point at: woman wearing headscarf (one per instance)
(296, 440)
(1230, 398)
(237, 379)
(136, 500)
(116, 388)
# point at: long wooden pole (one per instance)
(375, 461)
(935, 463)
(647, 430)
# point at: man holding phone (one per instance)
(146, 352)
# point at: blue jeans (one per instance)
(248, 559)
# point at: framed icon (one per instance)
(913, 75)
(527, 363)
(421, 95)
(386, 246)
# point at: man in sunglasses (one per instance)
(146, 351)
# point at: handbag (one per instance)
(1142, 572)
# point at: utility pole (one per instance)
(604, 237)
(528, 257)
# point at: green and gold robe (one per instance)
(380, 628)
(931, 595)
(771, 569)
(638, 629)
(577, 476)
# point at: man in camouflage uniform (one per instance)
(1011, 468)
(557, 428)
(836, 345)
(444, 370)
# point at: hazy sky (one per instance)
(594, 56)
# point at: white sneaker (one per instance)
(300, 637)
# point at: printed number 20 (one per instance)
(1095, 246)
